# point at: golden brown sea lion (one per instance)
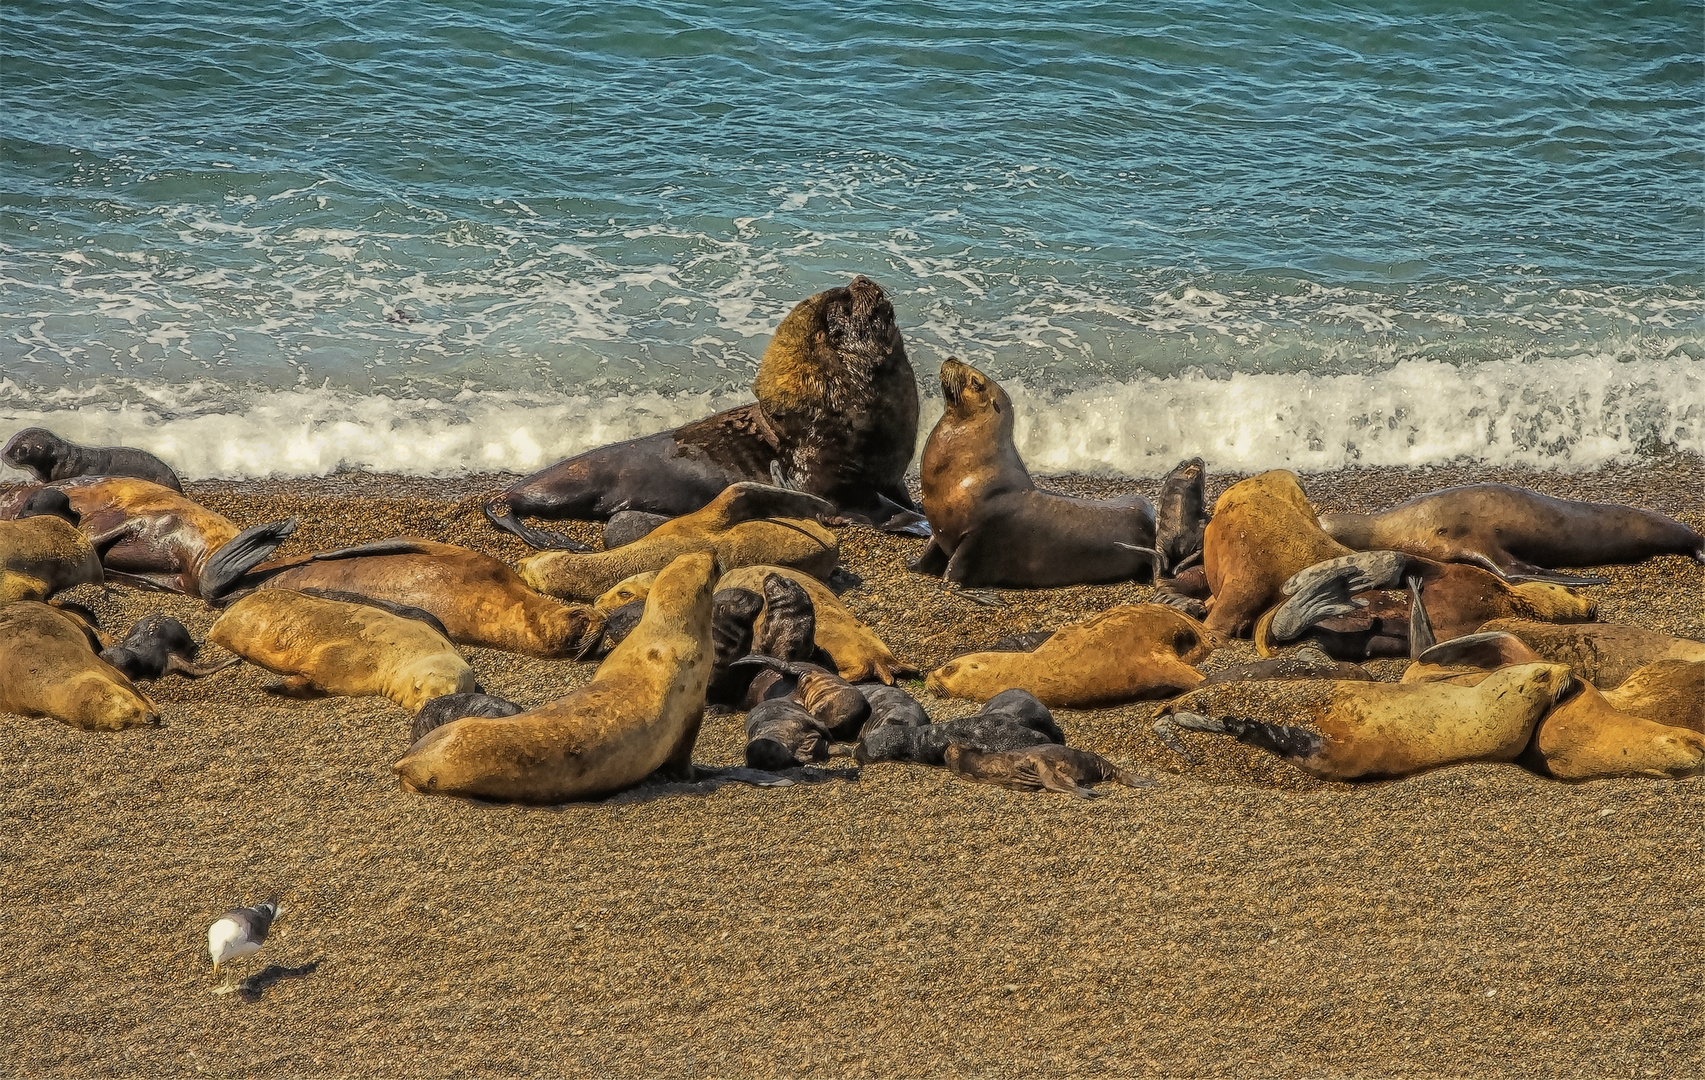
(1668, 692)
(1589, 738)
(746, 524)
(478, 599)
(1514, 531)
(1603, 654)
(153, 537)
(351, 650)
(43, 555)
(1372, 731)
(641, 712)
(1124, 654)
(992, 526)
(836, 415)
(1262, 532)
(48, 669)
(859, 655)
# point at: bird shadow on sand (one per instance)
(252, 988)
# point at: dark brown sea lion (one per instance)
(1514, 531)
(52, 458)
(157, 646)
(1181, 517)
(781, 734)
(993, 527)
(890, 706)
(787, 627)
(154, 538)
(48, 669)
(442, 710)
(927, 745)
(1040, 768)
(835, 703)
(836, 416)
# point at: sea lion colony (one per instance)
(718, 597)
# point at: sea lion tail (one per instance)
(500, 513)
(225, 567)
(1280, 739)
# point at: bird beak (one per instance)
(215, 967)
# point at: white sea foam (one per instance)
(1561, 414)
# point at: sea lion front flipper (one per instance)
(1420, 626)
(932, 562)
(240, 554)
(1490, 650)
(1553, 577)
(500, 513)
(398, 546)
(1154, 557)
(1280, 739)
(405, 611)
(177, 665)
(897, 519)
(747, 501)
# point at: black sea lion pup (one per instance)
(1181, 517)
(927, 745)
(1023, 708)
(836, 416)
(441, 710)
(890, 706)
(782, 735)
(159, 645)
(787, 629)
(836, 704)
(992, 526)
(732, 614)
(618, 625)
(52, 458)
(1046, 767)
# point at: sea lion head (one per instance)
(49, 502)
(1554, 603)
(854, 323)
(35, 449)
(967, 393)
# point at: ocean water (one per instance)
(294, 238)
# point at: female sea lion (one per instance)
(1589, 738)
(479, 600)
(52, 458)
(351, 650)
(1604, 654)
(1375, 731)
(857, 653)
(48, 669)
(1263, 531)
(993, 527)
(641, 712)
(154, 538)
(1046, 767)
(1515, 532)
(45, 553)
(1124, 654)
(836, 416)
(746, 524)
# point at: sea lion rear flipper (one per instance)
(1490, 650)
(500, 513)
(1420, 626)
(891, 517)
(1280, 739)
(239, 555)
(1153, 556)
(177, 665)
(1329, 588)
(932, 562)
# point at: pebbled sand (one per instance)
(1239, 920)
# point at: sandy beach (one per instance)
(1240, 919)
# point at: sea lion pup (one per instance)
(1308, 662)
(157, 646)
(48, 669)
(746, 524)
(52, 459)
(781, 734)
(1604, 654)
(350, 650)
(836, 416)
(927, 745)
(992, 526)
(478, 599)
(1263, 530)
(442, 710)
(853, 647)
(1124, 654)
(890, 706)
(1515, 532)
(1374, 731)
(786, 627)
(1045, 767)
(154, 538)
(641, 712)
(837, 705)
(43, 552)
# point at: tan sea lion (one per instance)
(1373, 731)
(1263, 530)
(641, 712)
(1603, 654)
(48, 669)
(746, 524)
(859, 655)
(351, 650)
(1124, 654)
(479, 600)
(1668, 692)
(44, 554)
(991, 524)
(1588, 738)
(836, 416)
(1515, 532)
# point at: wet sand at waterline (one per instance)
(1241, 919)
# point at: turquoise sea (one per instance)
(294, 237)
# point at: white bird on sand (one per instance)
(241, 931)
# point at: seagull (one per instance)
(241, 931)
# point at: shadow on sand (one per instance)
(256, 985)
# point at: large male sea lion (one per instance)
(992, 526)
(1124, 654)
(48, 669)
(52, 458)
(836, 415)
(1263, 530)
(640, 712)
(348, 649)
(1514, 531)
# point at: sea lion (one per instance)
(52, 458)
(927, 745)
(1515, 532)
(836, 416)
(351, 650)
(1589, 738)
(732, 615)
(1308, 662)
(1180, 518)
(1668, 692)
(48, 669)
(478, 599)
(626, 526)
(746, 524)
(857, 653)
(625, 592)
(1604, 654)
(1124, 654)
(993, 527)
(1374, 731)
(890, 706)
(156, 646)
(641, 712)
(442, 710)
(781, 734)
(1045, 767)
(786, 628)
(837, 705)
(1263, 530)
(154, 538)
(45, 553)
(1023, 708)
